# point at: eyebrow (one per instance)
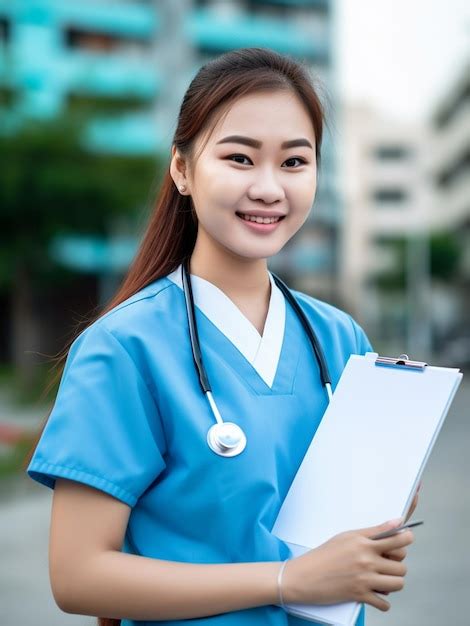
(254, 143)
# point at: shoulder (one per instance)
(133, 319)
(321, 308)
(333, 322)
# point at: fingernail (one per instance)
(396, 522)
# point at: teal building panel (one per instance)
(212, 32)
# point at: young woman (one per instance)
(150, 524)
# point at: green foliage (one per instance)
(393, 279)
(445, 253)
(36, 393)
(50, 184)
(11, 462)
(7, 96)
(87, 105)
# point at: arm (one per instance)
(91, 576)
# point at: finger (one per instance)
(375, 530)
(388, 583)
(384, 593)
(413, 506)
(391, 568)
(396, 555)
(410, 512)
(401, 539)
(374, 600)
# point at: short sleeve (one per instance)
(363, 344)
(104, 429)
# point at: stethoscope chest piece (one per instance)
(226, 439)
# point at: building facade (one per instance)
(384, 273)
(130, 62)
(405, 245)
(450, 172)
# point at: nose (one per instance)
(266, 187)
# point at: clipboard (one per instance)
(366, 459)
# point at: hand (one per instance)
(413, 504)
(349, 566)
(400, 553)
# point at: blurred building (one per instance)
(450, 169)
(387, 216)
(405, 244)
(129, 63)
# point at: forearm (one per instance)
(119, 585)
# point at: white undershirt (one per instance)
(262, 352)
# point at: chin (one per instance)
(255, 253)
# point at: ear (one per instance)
(178, 171)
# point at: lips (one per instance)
(261, 218)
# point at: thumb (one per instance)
(370, 531)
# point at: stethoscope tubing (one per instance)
(227, 438)
(324, 372)
(194, 336)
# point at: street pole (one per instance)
(418, 286)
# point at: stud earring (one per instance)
(182, 188)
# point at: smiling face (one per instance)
(257, 163)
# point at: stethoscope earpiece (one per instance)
(226, 438)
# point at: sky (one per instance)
(401, 56)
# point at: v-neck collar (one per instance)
(262, 352)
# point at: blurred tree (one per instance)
(49, 185)
(445, 256)
(392, 279)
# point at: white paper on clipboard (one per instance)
(365, 461)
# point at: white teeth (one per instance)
(260, 220)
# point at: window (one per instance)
(77, 38)
(288, 8)
(390, 195)
(391, 153)
(452, 173)
(448, 112)
(4, 29)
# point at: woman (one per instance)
(148, 523)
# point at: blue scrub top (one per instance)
(130, 419)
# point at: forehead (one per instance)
(271, 117)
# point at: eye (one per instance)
(301, 161)
(238, 158)
(242, 156)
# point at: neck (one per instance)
(237, 277)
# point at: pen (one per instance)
(394, 531)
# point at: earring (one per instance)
(182, 188)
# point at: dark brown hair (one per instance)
(171, 232)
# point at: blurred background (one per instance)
(89, 93)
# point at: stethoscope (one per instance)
(227, 438)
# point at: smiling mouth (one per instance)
(259, 219)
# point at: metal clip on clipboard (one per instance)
(402, 362)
